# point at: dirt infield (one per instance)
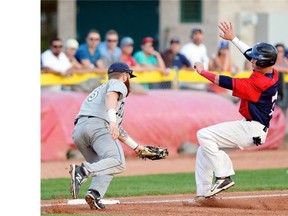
(252, 203)
(226, 203)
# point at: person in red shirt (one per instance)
(258, 95)
(127, 47)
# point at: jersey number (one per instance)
(273, 100)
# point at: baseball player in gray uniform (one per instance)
(97, 133)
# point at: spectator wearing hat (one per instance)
(127, 47)
(222, 63)
(173, 58)
(150, 59)
(196, 51)
(70, 48)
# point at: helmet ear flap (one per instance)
(263, 64)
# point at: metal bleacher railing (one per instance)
(175, 76)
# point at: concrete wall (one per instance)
(244, 15)
(66, 19)
(170, 22)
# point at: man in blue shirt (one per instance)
(87, 54)
(109, 50)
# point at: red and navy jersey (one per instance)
(258, 95)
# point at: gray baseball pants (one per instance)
(104, 156)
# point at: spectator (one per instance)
(222, 63)
(71, 46)
(54, 60)
(281, 66)
(87, 53)
(173, 58)
(109, 50)
(150, 59)
(127, 47)
(196, 51)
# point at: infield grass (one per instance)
(166, 184)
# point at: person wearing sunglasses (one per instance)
(109, 50)
(88, 56)
(54, 60)
(87, 53)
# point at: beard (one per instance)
(127, 83)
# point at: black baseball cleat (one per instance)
(78, 176)
(220, 185)
(93, 200)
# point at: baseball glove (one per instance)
(153, 153)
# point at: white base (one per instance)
(82, 201)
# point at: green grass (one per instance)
(163, 184)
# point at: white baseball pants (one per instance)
(211, 159)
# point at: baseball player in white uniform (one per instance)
(258, 95)
(96, 133)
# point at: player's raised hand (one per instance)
(198, 66)
(227, 31)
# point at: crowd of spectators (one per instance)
(95, 56)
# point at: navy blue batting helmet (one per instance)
(120, 67)
(266, 54)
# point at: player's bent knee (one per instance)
(202, 137)
(201, 134)
(121, 165)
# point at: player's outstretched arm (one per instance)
(227, 33)
(214, 78)
(221, 80)
(125, 138)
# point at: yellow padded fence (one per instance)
(142, 77)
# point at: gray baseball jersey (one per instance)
(94, 104)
